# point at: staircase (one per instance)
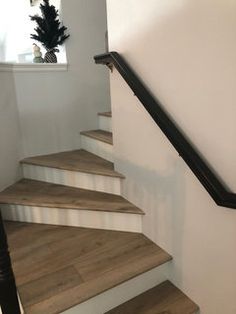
(77, 245)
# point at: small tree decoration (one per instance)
(49, 30)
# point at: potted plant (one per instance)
(49, 31)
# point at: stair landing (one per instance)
(58, 267)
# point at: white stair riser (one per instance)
(73, 178)
(73, 217)
(122, 293)
(96, 147)
(105, 123)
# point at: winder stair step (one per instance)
(100, 135)
(57, 268)
(76, 160)
(42, 194)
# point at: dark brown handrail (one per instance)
(186, 150)
(8, 295)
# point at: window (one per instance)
(15, 30)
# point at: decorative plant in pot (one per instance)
(49, 31)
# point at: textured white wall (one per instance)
(55, 106)
(9, 131)
(184, 50)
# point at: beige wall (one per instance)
(184, 50)
(9, 131)
(55, 106)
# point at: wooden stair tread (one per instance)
(59, 267)
(76, 160)
(162, 299)
(42, 194)
(100, 135)
(105, 114)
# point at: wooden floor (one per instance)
(59, 267)
(76, 160)
(163, 299)
(100, 135)
(42, 194)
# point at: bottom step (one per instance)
(81, 271)
(162, 299)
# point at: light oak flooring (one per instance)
(59, 267)
(76, 160)
(42, 194)
(100, 135)
(163, 299)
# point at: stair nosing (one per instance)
(106, 114)
(70, 208)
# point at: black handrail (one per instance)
(8, 295)
(196, 163)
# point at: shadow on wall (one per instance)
(161, 195)
(186, 56)
(190, 48)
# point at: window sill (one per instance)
(33, 67)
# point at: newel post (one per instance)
(8, 294)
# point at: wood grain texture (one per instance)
(105, 114)
(49, 285)
(99, 135)
(42, 194)
(163, 299)
(59, 267)
(77, 160)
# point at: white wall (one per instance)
(55, 106)
(9, 131)
(184, 50)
